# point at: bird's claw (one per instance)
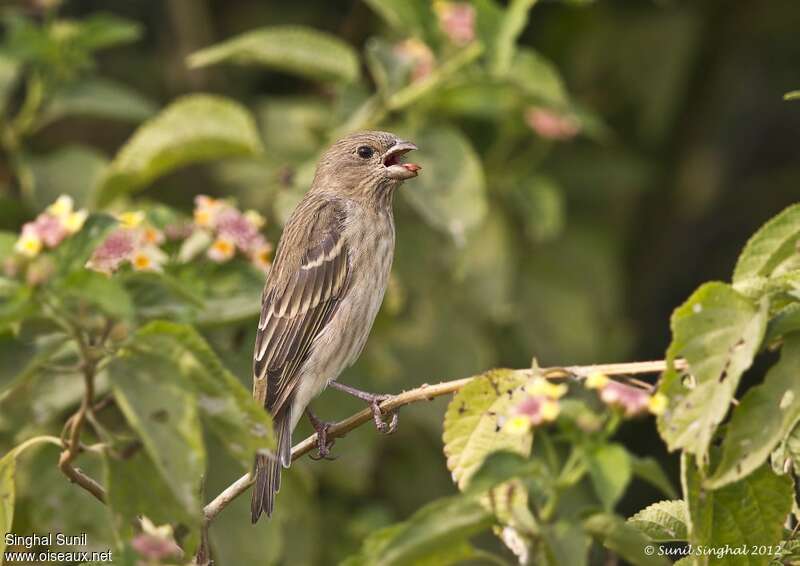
(377, 416)
(324, 444)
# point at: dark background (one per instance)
(701, 150)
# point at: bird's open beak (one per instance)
(395, 168)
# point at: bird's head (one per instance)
(366, 164)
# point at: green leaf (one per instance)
(718, 332)
(500, 467)
(427, 535)
(451, 194)
(514, 20)
(541, 202)
(17, 304)
(135, 488)
(622, 538)
(750, 511)
(565, 543)
(408, 17)
(242, 425)
(663, 521)
(100, 31)
(792, 95)
(537, 78)
(765, 415)
(148, 389)
(8, 464)
(473, 422)
(195, 128)
(299, 50)
(293, 127)
(72, 170)
(105, 293)
(649, 470)
(101, 98)
(785, 321)
(774, 243)
(23, 361)
(9, 69)
(389, 70)
(787, 455)
(610, 472)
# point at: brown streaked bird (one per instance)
(324, 290)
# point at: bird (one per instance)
(323, 292)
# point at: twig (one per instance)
(428, 392)
(72, 445)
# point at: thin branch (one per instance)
(72, 445)
(426, 392)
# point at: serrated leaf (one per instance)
(451, 194)
(195, 128)
(515, 17)
(242, 426)
(299, 50)
(473, 422)
(438, 526)
(164, 414)
(773, 243)
(622, 538)
(101, 98)
(748, 512)
(718, 332)
(663, 521)
(765, 415)
(610, 471)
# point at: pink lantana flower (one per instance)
(632, 400)
(50, 228)
(418, 56)
(551, 124)
(134, 242)
(457, 21)
(539, 406)
(221, 230)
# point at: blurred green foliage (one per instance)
(586, 165)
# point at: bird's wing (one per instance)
(306, 284)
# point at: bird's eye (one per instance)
(365, 152)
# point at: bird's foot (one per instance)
(324, 445)
(374, 400)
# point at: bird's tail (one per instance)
(268, 468)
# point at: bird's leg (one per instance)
(374, 400)
(323, 444)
